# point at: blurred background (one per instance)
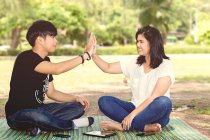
(113, 22)
(184, 25)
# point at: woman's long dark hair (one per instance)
(155, 40)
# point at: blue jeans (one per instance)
(156, 112)
(48, 117)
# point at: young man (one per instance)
(32, 79)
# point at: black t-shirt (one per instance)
(27, 87)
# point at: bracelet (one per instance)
(83, 60)
(89, 58)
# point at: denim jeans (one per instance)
(48, 117)
(156, 112)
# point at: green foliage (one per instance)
(114, 22)
(156, 13)
(118, 50)
(102, 35)
(69, 51)
(205, 38)
(124, 50)
(3, 53)
(186, 50)
(13, 52)
(189, 39)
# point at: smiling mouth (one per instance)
(140, 49)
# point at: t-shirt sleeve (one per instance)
(30, 60)
(50, 76)
(166, 69)
(127, 64)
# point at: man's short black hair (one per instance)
(40, 28)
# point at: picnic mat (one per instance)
(175, 130)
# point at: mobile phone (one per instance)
(145, 134)
(62, 135)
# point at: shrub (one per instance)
(13, 52)
(118, 50)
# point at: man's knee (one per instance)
(77, 108)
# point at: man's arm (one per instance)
(58, 68)
(64, 97)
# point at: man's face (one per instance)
(50, 43)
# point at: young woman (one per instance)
(151, 77)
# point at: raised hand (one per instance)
(90, 47)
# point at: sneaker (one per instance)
(83, 122)
(33, 131)
(91, 120)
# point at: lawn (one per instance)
(193, 67)
(192, 85)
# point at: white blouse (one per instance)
(142, 84)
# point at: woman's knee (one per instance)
(164, 101)
(105, 102)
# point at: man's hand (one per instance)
(126, 123)
(83, 101)
(90, 47)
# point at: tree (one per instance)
(115, 24)
(156, 13)
(65, 16)
(15, 19)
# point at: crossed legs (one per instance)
(155, 116)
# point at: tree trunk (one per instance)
(15, 38)
(164, 38)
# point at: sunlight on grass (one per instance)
(204, 110)
(191, 67)
(187, 67)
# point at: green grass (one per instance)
(187, 67)
(117, 50)
(204, 110)
(195, 67)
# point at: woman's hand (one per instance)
(83, 101)
(126, 123)
(90, 47)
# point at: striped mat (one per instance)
(176, 130)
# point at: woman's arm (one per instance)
(162, 85)
(59, 96)
(113, 68)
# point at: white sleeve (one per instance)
(127, 65)
(166, 69)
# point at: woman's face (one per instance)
(142, 44)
